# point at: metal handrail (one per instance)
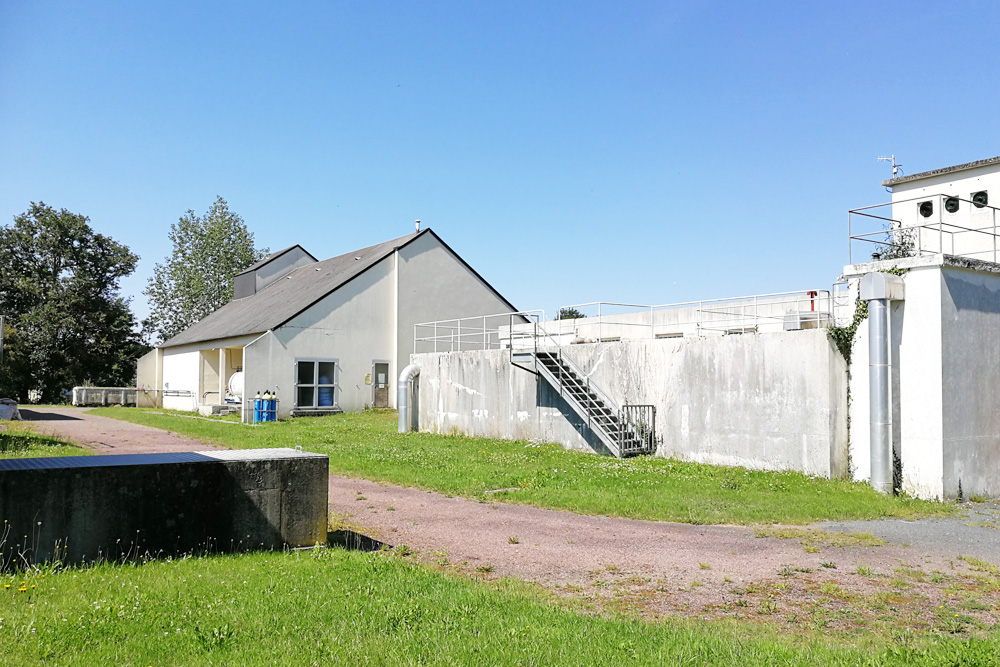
(940, 228)
(816, 297)
(456, 333)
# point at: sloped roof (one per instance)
(288, 296)
(274, 255)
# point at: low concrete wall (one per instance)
(771, 401)
(84, 509)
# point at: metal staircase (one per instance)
(626, 431)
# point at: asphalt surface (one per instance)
(975, 532)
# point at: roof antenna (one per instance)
(417, 222)
(895, 167)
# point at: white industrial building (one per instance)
(757, 381)
(324, 336)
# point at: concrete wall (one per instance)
(945, 367)
(970, 384)
(81, 509)
(770, 401)
(354, 326)
(714, 317)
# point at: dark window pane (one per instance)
(307, 372)
(326, 369)
(325, 395)
(304, 397)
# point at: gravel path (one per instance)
(662, 567)
(105, 435)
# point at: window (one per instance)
(315, 383)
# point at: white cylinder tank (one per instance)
(236, 385)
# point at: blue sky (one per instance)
(649, 152)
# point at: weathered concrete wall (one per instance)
(770, 401)
(81, 509)
(945, 367)
(970, 354)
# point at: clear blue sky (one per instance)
(649, 152)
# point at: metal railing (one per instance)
(480, 332)
(741, 314)
(946, 232)
(523, 329)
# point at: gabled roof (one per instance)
(938, 172)
(274, 255)
(288, 296)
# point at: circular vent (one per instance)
(926, 209)
(980, 199)
(951, 204)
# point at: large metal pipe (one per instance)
(879, 289)
(403, 396)
(880, 425)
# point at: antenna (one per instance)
(895, 167)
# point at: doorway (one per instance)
(380, 384)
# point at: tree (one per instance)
(569, 314)
(65, 322)
(197, 278)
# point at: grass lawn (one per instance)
(16, 442)
(366, 445)
(330, 606)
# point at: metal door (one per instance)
(380, 382)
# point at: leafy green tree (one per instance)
(197, 278)
(569, 314)
(65, 322)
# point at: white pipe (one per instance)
(879, 290)
(880, 406)
(403, 396)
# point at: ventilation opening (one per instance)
(926, 209)
(980, 199)
(951, 204)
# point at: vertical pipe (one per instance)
(403, 396)
(879, 398)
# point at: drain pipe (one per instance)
(403, 396)
(878, 289)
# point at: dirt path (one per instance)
(659, 567)
(105, 435)
(654, 567)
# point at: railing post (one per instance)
(435, 337)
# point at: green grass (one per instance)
(330, 606)
(18, 443)
(545, 475)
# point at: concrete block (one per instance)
(85, 509)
